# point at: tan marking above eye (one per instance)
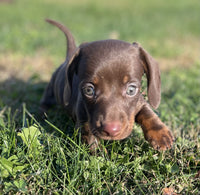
(125, 79)
(95, 80)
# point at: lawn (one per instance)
(47, 157)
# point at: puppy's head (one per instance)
(109, 80)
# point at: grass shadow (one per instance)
(16, 92)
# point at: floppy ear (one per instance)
(152, 71)
(71, 70)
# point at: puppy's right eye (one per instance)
(131, 90)
(89, 90)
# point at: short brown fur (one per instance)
(99, 87)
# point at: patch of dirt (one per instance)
(184, 61)
(25, 67)
(6, 1)
(41, 66)
(189, 55)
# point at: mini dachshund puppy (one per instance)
(99, 85)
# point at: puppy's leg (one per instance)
(48, 99)
(155, 131)
(88, 137)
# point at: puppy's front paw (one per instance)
(160, 139)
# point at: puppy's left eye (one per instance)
(131, 90)
(89, 90)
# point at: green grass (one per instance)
(44, 157)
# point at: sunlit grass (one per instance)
(44, 157)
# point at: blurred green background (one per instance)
(31, 49)
(165, 28)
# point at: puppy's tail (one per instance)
(71, 46)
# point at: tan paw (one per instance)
(160, 139)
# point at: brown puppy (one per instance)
(99, 86)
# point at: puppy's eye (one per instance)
(89, 90)
(131, 90)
